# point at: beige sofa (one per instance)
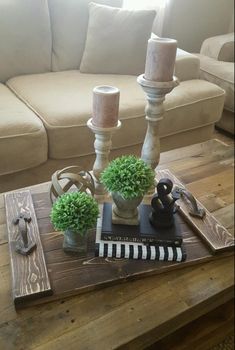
(217, 66)
(45, 100)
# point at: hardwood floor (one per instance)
(223, 136)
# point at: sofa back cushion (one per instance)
(116, 40)
(25, 38)
(69, 19)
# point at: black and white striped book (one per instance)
(139, 251)
(131, 250)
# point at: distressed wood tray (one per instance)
(69, 275)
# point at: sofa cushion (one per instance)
(25, 38)
(63, 101)
(116, 40)
(220, 73)
(69, 19)
(23, 140)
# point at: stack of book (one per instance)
(138, 242)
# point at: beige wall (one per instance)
(231, 24)
(192, 21)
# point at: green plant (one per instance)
(129, 176)
(76, 211)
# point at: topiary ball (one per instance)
(129, 176)
(76, 211)
(63, 180)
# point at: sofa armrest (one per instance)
(220, 47)
(187, 66)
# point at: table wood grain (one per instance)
(29, 273)
(135, 314)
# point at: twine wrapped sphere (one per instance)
(63, 180)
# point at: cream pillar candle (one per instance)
(105, 106)
(160, 59)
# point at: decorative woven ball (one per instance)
(63, 180)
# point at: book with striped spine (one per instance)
(131, 250)
(139, 251)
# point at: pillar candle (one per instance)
(160, 59)
(105, 106)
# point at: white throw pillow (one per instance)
(116, 40)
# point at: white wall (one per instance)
(192, 21)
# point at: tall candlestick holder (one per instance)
(156, 92)
(102, 145)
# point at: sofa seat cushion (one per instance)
(23, 140)
(63, 100)
(220, 73)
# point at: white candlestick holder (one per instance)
(102, 145)
(154, 110)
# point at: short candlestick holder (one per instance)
(154, 110)
(102, 145)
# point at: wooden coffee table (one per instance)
(174, 310)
